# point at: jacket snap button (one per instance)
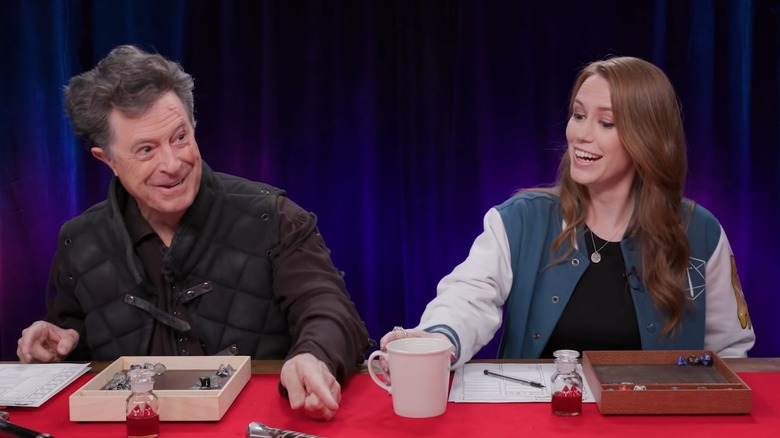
(190, 293)
(555, 299)
(537, 336)
(651, 328)
(575, 262)
(206, 286)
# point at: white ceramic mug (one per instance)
(420, 375)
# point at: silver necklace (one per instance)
(595, 256)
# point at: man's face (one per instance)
(156, 158)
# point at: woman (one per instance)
(610, 258)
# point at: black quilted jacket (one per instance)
(239, 286)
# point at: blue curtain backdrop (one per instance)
(399, 123)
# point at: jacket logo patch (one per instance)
(696, 270)
(742, 309)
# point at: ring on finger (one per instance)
(400, 329)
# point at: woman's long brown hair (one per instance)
(647, 117)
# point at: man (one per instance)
(181, 260)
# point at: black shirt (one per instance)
(600, 314)
(166, 341)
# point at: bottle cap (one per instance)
(141, 379)
(566, 360)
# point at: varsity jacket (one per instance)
(243, 292)
(508, 278)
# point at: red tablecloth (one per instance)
(366, 410)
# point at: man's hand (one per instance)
(45, 342)
(310, 385)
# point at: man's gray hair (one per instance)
(129, 80)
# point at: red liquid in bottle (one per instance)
(567, 403)
(143, 426)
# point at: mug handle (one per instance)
(373, 373)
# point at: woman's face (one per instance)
(598, 159)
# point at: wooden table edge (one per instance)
(738, 365)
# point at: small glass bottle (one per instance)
(566, 384)
(143, 419)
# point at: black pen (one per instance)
(514, 379)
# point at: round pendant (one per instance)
(595, 257)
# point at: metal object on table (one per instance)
(260, 430)
(8, 428)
